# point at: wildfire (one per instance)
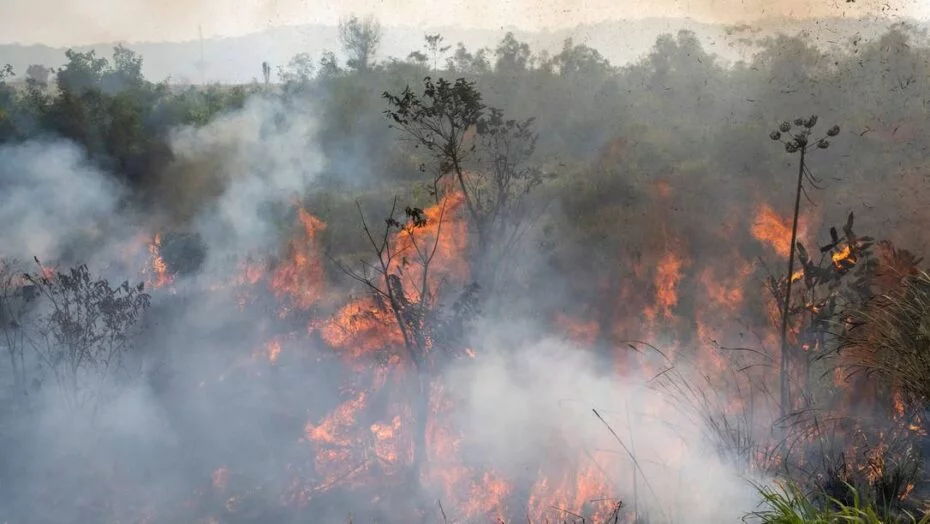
(301, 276)
(667, 277)
(160, 275)
(585, 332)
(369, 437)
(220, 479)
(843, 258)
(773, 230)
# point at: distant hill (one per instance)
(238, 59)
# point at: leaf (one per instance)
(802, 255)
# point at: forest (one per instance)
(473, 285)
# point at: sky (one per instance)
(81, 22)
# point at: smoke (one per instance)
(532, 406)
(233, 177)
(51, 199)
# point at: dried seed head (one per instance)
(801, 139)
(791, 147)
(784, 127)
(823, 143)
(833, 131)
(799, 122)
(775, 135)
(811, 122)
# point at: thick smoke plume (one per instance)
(233, 174)
(51, 199)
(534, 405)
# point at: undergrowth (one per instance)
(788, 504)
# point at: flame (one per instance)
(369, 436)
(446, 231)
(160, 276)
(585, 332)
(844, 258)
(273, 350)
(301, 276)
(774, 230)
(220, 479)
(667, 277)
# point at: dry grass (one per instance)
(891, 338)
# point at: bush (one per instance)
(788, 504)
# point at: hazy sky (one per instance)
(76, 22)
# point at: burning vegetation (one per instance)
(467, 351)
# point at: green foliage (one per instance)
(788, 504)
(7, 100)
(485, 155)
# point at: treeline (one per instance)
(606, 133)
(679, 92)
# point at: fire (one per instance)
(301, 276)
(774, 230)
(667, 277)
(445, 229)
(360, 328)
(843, 258)
(369, 438)
(585, 332)
(220, 479)
(160, 275)
(273, 350)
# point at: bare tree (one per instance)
(16, 297)
(402, 280)
(483, 152)
(799, 143)
(84, 330)
(266, 72)
(360, 39)
(435, 48)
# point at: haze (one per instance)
(83, 22)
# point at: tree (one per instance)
(38, 74)
(299, 70)
(483, 152)
(360, 39)
(466, 63)
(82, 72)
(329, 66)
(580, 61)
(402, 284)
(7, 101)
(512, 55)
(126, 72)
(85, 331)
(266, 72)
(799, 143)
(435, 48)
(418, 57)
(16, 297)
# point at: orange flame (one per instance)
(159, 269)
(774, 230)
(301, 276)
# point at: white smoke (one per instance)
(50, 198)
(263, 155)
(531, 405)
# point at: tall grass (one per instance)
(891, 337)
(788, 504)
